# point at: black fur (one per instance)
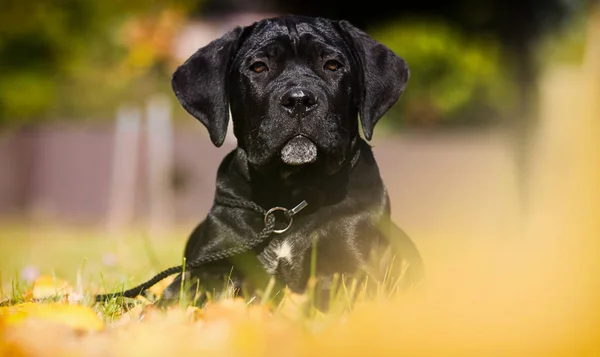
(283, 78)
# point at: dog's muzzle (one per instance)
(299, 151)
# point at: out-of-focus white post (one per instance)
(123, 181)
(159, 132)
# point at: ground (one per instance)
(468, 306)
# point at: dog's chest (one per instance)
(337, 243)
(276, 254)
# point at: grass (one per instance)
(76, 256)
(85, 254)
(92, 262)
(468, 306)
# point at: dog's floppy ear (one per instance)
(200, 84)
(383, 79)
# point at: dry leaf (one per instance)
(194, 313)
(293, 305)
(133, 314)
(228, 309)
(158, 288)
(47, 286)
(74, 316)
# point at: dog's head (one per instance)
(295, 87)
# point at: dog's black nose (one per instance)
(298, 101)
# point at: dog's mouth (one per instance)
(299, 150)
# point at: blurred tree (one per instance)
(454, 79)
(516, 25)
(81, 57)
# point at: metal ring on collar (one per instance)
(286, 212)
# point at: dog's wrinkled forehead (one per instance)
(268, 36)
(291, 46)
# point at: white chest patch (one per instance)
(274, 253)
(284, 251)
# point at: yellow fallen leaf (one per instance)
(158, 288)
(47, 286)
(129, 316)
(194, 313)
(293, 305)
(15, 312)
(74, 316)
(228, 309)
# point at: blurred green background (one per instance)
(77, 60)
(74, 60)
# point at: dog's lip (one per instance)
(299, 150)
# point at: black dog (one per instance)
(295, 87)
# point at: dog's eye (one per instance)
(258, 67)
(333, 65)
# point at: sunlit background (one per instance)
(490, 157)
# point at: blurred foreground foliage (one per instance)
(79, 58)
(455, 78)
